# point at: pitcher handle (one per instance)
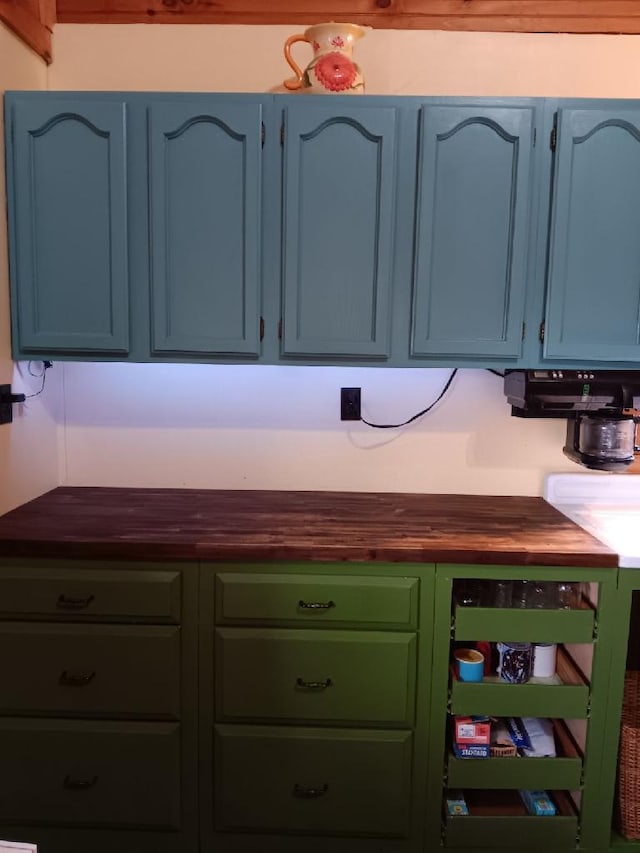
(293, 82)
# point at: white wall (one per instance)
(28, 446)
(277, 427)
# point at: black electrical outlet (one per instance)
(350, 404)
(6, 412)
(7, 400)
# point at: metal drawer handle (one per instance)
(301, 684)
(316, 605)
(71, 602)
(309, 793)
(76, 679)
(75, 783)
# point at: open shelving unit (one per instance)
(497, 815)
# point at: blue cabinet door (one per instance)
(205, 182)
(593, 295)
(472, 230)
(338, 196)
(68, 227)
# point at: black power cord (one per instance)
(419, 414)
(43, 374)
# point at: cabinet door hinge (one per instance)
(524, 329)
(553, 138)
(261, 329)
(541, 333)
(282, 134)
(263, 133)
(535, 136)
(280, 330)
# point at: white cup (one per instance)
(544, 660)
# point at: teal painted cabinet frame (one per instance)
(395, 231)
(473, 217)
(593, 298)
(69, 235)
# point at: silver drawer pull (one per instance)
(301, 684)
(309, 793)
(76, 679)
(74, 602)
(76, 783)
(316, 605)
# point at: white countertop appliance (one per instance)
(605, 505)
(601, 433)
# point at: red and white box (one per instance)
(472, 730)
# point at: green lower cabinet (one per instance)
(533, 774)
(486, 827)
(363, 677)
(90, 670)
(575, 699)
(313, 781)
(499, 699)
(312, 600)
(534, 626)
(110, 775)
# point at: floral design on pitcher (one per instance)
(337, 41)
(336, 72)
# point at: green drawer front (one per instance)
(498, 699)
(562, 772)
(530, 774)
(550, 833)
(89, 594)
(339, 676)
(313, 600)
(314, 781)
(541, 626)
(90, 670)
(77, 773)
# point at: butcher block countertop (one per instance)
(190, 524)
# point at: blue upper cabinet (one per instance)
(472, 230)
(338, 194)
(205, 197)
(67, 188)
(593, 296)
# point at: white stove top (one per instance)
(605, 505)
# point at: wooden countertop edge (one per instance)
(146, 551)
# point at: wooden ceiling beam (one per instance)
(32, 21)
(577, 16)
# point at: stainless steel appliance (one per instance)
(601, 430)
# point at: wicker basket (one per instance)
(629, 764)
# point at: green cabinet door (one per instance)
(90, 774)
(68, 226)
(472, 230)
(205, 191)
(314, 781)
(360, 677)
(593, 298)
(338, 196)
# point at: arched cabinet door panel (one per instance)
(205, 178)
(593, 295)
(472, 230)
(338, 217)
(68, 197)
